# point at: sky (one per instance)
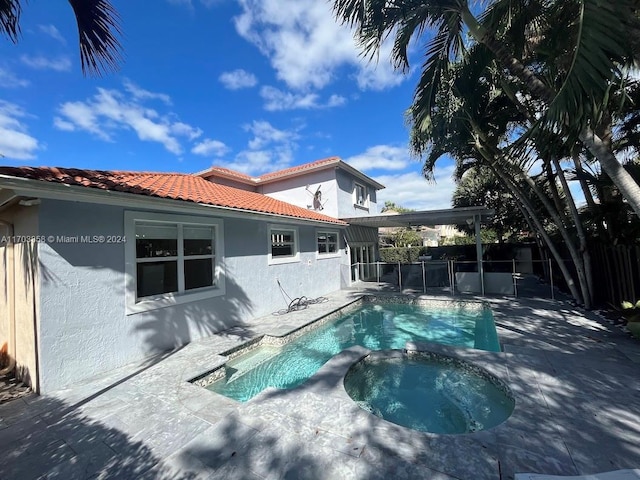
(251, 85)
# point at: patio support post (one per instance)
(476, 221)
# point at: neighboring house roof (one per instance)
(330, 162)
(176, 186)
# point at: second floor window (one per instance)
(361, 198)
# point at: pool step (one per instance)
(244, 363)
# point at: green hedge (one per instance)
(401, 254)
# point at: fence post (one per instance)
(553, 297)
(378, 271)
(452, 276)
(400, 276)
(515, 281)
(424, 280)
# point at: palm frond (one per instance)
(99, 31)
(377, 20)
(601, 48)
(10, 11)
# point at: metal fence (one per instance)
(508, 277)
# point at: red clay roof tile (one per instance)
(177, 186)
(226, 172)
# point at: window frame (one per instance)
(365, 203)
(135, 304)
(280, 259)
(335, 254)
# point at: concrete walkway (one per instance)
(574, 376)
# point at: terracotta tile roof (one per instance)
(300, 168)
(176, 186)
(287, 172)
(226, 172)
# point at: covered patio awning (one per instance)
(450, 216)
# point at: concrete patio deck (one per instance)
(574, 376)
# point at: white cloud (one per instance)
(237, 79)
(60, 64)
(80, 116)
(53, 32)
(265, 134)
(9, 80)
(142, 94)
(306, 45)
(381, 157)
(268, 150)
(411, 190)
(210, 148)
(186, 130)
(276, 100)
(111, 110)
(15, 142)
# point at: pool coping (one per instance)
(215, 373)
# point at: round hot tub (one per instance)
(429, 392)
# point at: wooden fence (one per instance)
(616, 273)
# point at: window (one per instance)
(361, 197)
(283, 245)
(327, 244)
(171, 259)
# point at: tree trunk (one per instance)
(540, 228)
(526, 203)
(620, 177)
(582, 238)
(575, 256)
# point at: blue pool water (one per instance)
(428, 394)
(376, 327)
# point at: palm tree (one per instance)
(98, 31)
(592, 40)
(474, 130)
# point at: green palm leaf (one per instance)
(98, 30)
(600, 30)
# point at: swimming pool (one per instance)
(373, 326)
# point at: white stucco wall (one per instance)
(337, 192)
(294, 190)
(84, 328)
(346, 206)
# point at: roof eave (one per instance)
(62, 191)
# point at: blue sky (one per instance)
(252, 85)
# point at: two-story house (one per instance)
(103, 268)
(329, 186)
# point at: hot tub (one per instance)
(429, 392)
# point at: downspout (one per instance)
(11, 351)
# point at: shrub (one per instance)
(401, 254)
